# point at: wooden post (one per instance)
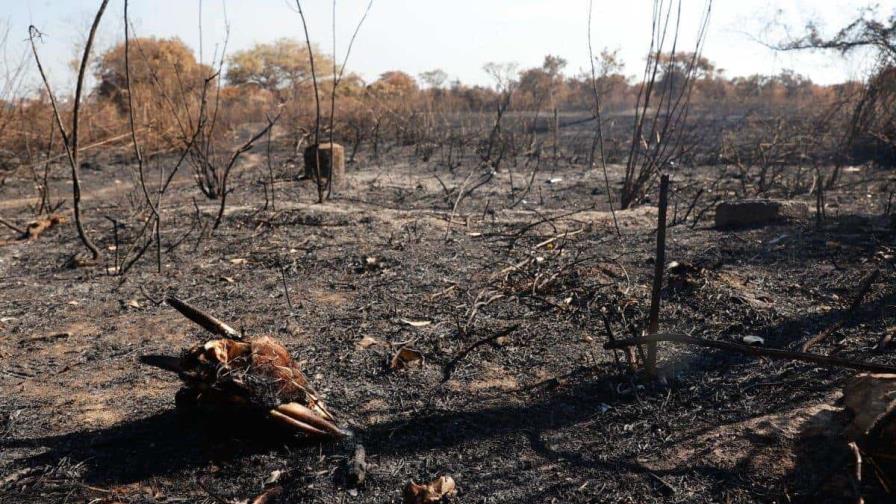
(659, 266)
(325, 164)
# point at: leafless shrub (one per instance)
(505, 84)
(871, 133)
(663, 99)
(70, 139)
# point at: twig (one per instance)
(629, 353)
(857, 475)
(563, 235)
(109, 140)
(449, 368)
(460, 195)
(600, 131)
(669, 489)
(214, 495)
(756, 351)
(233, 158)
(320, 192)
(862, 291)
(12, 226)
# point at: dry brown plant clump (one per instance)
(257, 374)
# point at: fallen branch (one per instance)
(755, 351)
(545, 220)
(12, 226)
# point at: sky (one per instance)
(457, 36)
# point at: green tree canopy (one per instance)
(277, 65)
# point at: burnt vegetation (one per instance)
(673, 286)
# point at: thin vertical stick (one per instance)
(115, 236)
(857, 475)
(271, 171)
(337, 78)
(600, 127)
(653, 321)
(320, 190)
(136, 145)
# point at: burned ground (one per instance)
(540, 414)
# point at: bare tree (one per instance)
(320, 189)
(504, 75)
(70, 140)
(874, 114)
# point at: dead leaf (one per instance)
(431, 492)
(367, 342)
(273, 478)
(238, 261)
(416, 323)
(227, 279)
(405, 358)
(133, 303)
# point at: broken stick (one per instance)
(756, 351)
(12, 226)
(208, 322)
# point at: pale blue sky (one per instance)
(458, 36)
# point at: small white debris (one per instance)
(273, 478)
(416, 323)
